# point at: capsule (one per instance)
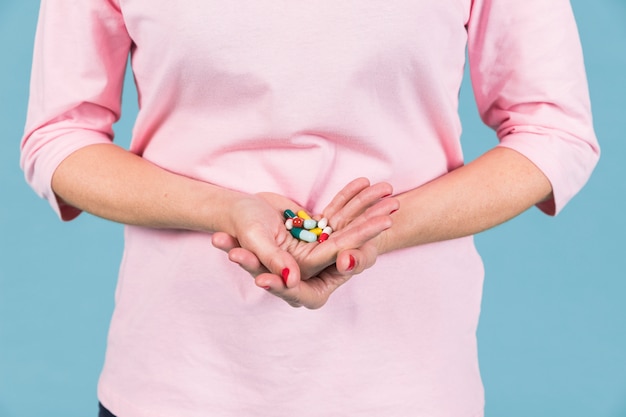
(309, 224)
(317, 231)
(289, 224)
(303, 234)
(289, 214)
(325, 234)
(322, 223)
(303, 215)
(297, 222)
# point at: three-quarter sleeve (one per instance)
(80, 54)
(530, 85)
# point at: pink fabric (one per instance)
(300, 98)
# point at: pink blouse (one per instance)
(299, 98)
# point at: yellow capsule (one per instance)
(317, 231)
(303, 215)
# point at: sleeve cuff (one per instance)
(43, 163)
(566, 162)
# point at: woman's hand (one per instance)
(358, 214)
(314, 292)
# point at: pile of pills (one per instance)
(303, 227)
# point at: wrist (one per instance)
(213, 212)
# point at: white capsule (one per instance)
(328, 230)
(289, 224)
(309, 224)
(322, 223)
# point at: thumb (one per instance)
(354, 261)
(277, 261)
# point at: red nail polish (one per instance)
(285, 275)
(393, 211)
(386, 195)
(352, 263)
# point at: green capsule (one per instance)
(289, 214)
(303, 234)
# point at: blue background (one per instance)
(553, 331)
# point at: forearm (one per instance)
(494, 188)
(118, 185)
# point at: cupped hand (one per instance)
(358, 214)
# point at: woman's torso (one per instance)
(298, 99)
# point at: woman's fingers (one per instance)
(351, 209)
(325, 254)
(347, 193)
(354, 261)
(382, 209)
(270, 255)
(306, 274)
(312, 294)
(247, 260)
(315, 292)
(224, 241)
(259, 243)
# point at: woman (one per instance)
(247, 109)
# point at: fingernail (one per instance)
(267, 288)
(285, 275)
(352, 263)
